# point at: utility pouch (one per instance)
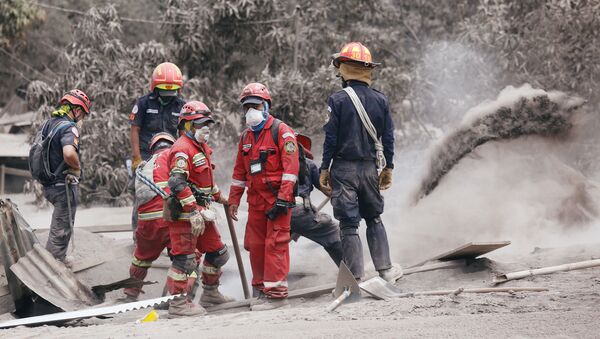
(172, 208)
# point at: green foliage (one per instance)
(15, 17)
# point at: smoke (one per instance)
(515, 113)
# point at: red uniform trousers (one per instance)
(152, 238)
(268, 243)
(183, 242)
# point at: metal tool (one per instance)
(380, 289)
(85, 313)
(346, 289)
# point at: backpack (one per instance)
(143, 192)
(39, 154)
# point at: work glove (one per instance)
(281, 207)
(325, 182)
(385, 179)
(72, 175)
(197, 222)
(135, 162)
(233, 210)
(222, 199)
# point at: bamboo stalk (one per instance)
(546, 270)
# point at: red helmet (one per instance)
(354, 52)
(306, 143)
(166, 76)
(162, 139)
(195, 110)
(78, 98)
(255, 90)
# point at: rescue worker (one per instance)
(266, 163)
(155, 112)
(306, 220)
(64, 159)
(152, 233)
(354, 181)
(192, 186)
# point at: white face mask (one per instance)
(202, 134)
(254, 117)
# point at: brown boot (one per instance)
(182, 306)
(212, 296)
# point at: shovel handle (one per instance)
(337, 302)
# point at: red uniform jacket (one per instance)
(193, 159)
(273, 179)
(153, 209)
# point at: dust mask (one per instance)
(254, 117)
(202, 134)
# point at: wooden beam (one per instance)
(101, 228)
(17, 172)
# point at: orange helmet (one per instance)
(166, 76)
(253, 91)
(354, 52)
(78, 98)
(195, 110)
(161, 140)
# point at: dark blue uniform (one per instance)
(56, 192)
(153, 117)
(354, 178)
(316, 226)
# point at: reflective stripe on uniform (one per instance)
(288, 135)
(182, 155)
(176, 275)
(238, 183)
(184, 216)
(270, 284)
(188, 200)
(141, 263)
(210, 269)
(180, 171)
(150, 215)
(162, 184)
(289, 177)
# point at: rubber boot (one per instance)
(212, 296)
(271, 304)
(352, 250)
(378, 244)
(139, 274)
(335, 252)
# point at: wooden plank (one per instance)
(467, 251)
(436, 266)
(17, 172)
(100, 228)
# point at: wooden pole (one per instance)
(476, 290)
(2, 178)
(238, 255)
(546, 270)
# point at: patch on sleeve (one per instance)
(134, 110)
(75, 131)
(329, 109)
(181, 163)
(290, 147)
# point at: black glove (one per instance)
(281, 207)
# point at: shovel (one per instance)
(346, 288)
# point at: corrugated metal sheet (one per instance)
(87, 313)
(52, 280)
(16, 239)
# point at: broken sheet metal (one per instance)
(16, 239)
(52, 280)
(85, 313)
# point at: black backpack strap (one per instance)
(275, 131)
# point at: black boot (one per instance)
(378, 244)
(352, 249)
